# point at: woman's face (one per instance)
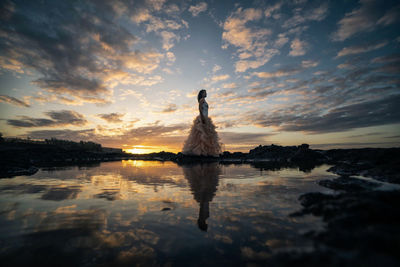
(205, 94)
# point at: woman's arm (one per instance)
(202, 117)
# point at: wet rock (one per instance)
(349, 184)
(362, 227)
(7, 172)
(378, 163)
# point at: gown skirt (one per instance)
(203, 139)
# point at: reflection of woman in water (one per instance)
(203, 180)
(203, 139)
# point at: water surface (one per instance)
(154, 213)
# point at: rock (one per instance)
(362, 227)
(7, 172)
(349, 184)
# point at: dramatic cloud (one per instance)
(153, 135)
(251, 41)
(270, 64)
(14, 101)
(73, 52)
(57, 118)
(360, 49)
(65, 134)
(380, 112)
(111, 117)
(197, 9)
(163, 22)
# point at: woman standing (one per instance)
(203, 139)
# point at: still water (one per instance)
(154, 213)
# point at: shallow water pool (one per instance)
(154, 213)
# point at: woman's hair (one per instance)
(200, 95)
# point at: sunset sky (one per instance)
(126, 73)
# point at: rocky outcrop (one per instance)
(300, 153)
(361, 226)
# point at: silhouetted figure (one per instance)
(203, 138)
(203, 180)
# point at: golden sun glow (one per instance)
(141, 149)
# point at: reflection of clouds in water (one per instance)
(69, 235)
(247, 215)
(61, 193)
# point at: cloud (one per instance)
(169, 39)
(111, 117)
(315, 14)
(225, 94)
(169, 109)
(358, 49)
(244, 138)
(390, 16)
(279, 73)
(57, 118)
(387, 59)
(359, 20)
(271, 9)
(250, 41)
(154, 135)
(329, 110)
(298, 48)
(74, 52)
(229, 85)
(281, 41)
(65, 134)
(171, 57)
(365, 19)
(309, 63)
(142, 62)
(14, 101)
(217, 78)
(197, 9)
(163, 22)
(216, 68)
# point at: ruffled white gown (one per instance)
(203, 138)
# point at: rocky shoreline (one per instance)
(361, 226)
(378, 163)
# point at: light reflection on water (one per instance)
(153, 213)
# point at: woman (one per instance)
(203, 139)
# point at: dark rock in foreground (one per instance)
(362, 226)
(379, 163)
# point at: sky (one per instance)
(126, 73)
